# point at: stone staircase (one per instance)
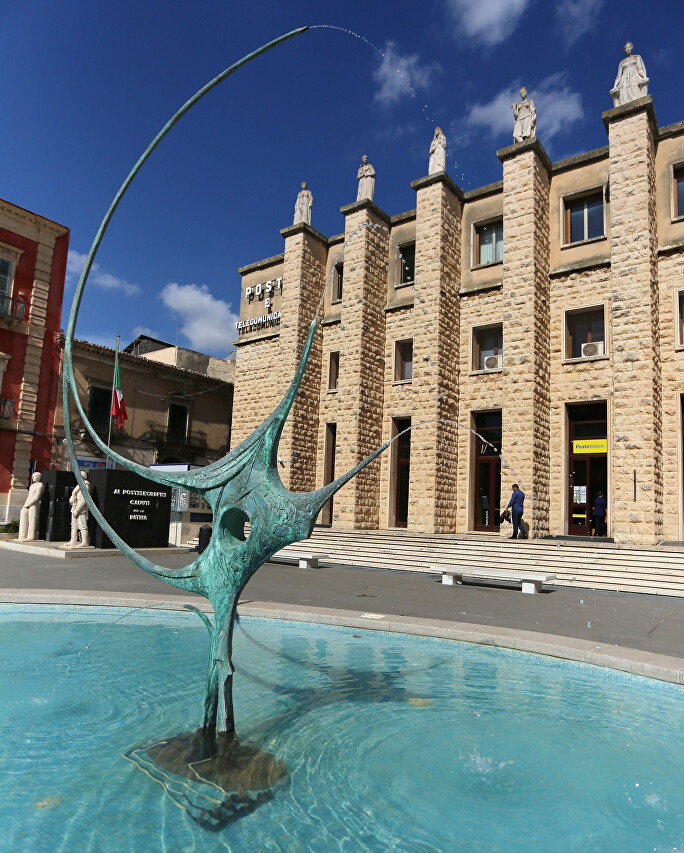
(658, 570)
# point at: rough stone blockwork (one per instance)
(637, 381)
(362, 361)
(434, 465)
(526, 378)
(304, 280)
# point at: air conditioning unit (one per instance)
(593, 348)
(493, 362)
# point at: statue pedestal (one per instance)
(76, 548)
(215, 780)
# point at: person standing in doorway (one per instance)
(600, 515)
(515, 505)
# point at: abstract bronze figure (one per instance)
(242, 487)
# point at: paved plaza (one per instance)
(637, 627)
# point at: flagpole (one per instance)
(111, 402)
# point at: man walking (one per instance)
(600, 515)
(515, 505)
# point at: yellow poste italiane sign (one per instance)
(590, 445)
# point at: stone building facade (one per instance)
(534, 328)
(33, 257)
(176, 415)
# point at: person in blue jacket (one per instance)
(516, 507)
(600, 515)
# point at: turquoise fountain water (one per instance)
(392, 742)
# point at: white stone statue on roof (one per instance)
(303, 205)
(366, 179)
(631, 81)
(525, 116)
(437, 161)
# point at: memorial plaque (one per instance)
(139, 510)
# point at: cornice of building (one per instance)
(260, 265)
(617, 113)
(481, 192)
(438, 178)
(365, 204)
(531, 144)
(303, 228)
(581, 159)
(146, 365)
(23, 215)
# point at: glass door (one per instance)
(487, 471)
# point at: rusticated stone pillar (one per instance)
(304, 277)
(362, 361)
(434, 396)
(635, 506)
(526, 321)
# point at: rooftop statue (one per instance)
(303, 205)
(437, 161)
(631, 81)
(525, 116)
(366, 178)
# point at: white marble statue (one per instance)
(28, 517)
(525, 118)
(437, 153)
(631, 81)
(303, 205)
(79, 516)
(366, 179)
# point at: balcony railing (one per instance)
(180, 439)
(14, 309)
(6, 407)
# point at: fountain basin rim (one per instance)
(633, 661)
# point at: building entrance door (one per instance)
(402, 472)
(588, 465)
(487, 471)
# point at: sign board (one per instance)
(138, 509)
(579, 494)
(590, 445)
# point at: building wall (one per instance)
(37, 249)
(633, 271)
(148, 388)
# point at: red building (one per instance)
(33, 258)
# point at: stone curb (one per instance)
(634, 661)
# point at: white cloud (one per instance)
(400, 76)
(574, 18)
(490, 22)
(557, 107)
(145, 330)
(107, 281)
(208, 323)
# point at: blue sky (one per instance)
(87, 85)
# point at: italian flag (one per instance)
(118, 405)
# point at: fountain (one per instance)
(243, 487)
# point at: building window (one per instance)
(678, 191)
(333, 371)
(177, 426)
(403, 361)
(488, 347)
(338, 281)
(100, 409)
(680, 318)
(407, 264)
(584, 217)
(585, 333)
(5, 277)
(489, 243)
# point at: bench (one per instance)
(531, 581)
(305, 561)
